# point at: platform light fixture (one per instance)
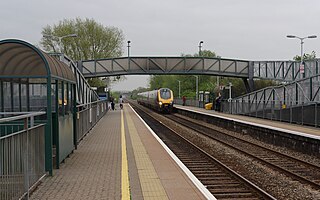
(200, 46)
(301, 48)
(128, 42)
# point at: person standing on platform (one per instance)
(112, 103)
(121, 102)
(183, 100)
(218, 102)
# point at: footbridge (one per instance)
(284, 71)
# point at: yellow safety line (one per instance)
(150, 182)
(124, 172)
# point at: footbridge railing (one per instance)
(84, 93)
(296, 102)
(285, 71)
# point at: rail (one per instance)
(22, 153)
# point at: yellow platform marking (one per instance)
(150, 182)
(125, 188)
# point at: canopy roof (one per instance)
(19, 59)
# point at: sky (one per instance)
(246, 29)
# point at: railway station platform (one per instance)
(119, 159)
(304, 139)
(287, 127)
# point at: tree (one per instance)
(207, 54)
(206, 82)
(135, 92)
(93, 41)
(311, 56)
(188, 86)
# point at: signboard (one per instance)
(302, 68)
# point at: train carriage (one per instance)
(160, 100)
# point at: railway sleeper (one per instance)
(236, 195)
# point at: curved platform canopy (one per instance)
(19, 59)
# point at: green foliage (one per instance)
(187, 82)
(115, 96)
(206, 82)
(259, 84)
(96, 82)
(94, 40)
(204, 53)
(207, 54)
(311, 56)
(135, 92)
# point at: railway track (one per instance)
(220, 180)
(296, 169)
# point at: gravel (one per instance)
(275, 183)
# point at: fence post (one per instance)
(291, 111)
(302, 115)
(280, 113)
(316, 115)
(26, 159)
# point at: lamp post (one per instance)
(301, 43)
(128, 42)
(200, 46)
(179, 88)
(128, 48)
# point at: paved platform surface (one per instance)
(276, 124)
(97, 169)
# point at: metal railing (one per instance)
(295, 102)
(289, 111)
(88, 115)
(22, 154)
(285, 70)
(189, 102)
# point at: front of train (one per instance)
(165, 100)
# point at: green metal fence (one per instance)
(22, 153)
(88, 115)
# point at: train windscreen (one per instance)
(165, 93)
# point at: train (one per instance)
(160, 100)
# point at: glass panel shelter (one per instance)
(31, 80)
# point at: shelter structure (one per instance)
(31, 80)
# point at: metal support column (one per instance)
(250, 86)
(79, 66)
(48, 134)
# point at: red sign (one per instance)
(302, 68)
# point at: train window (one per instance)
(165, 94)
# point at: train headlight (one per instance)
(160, 103)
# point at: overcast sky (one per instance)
(246, 29)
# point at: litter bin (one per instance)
(208, 106)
